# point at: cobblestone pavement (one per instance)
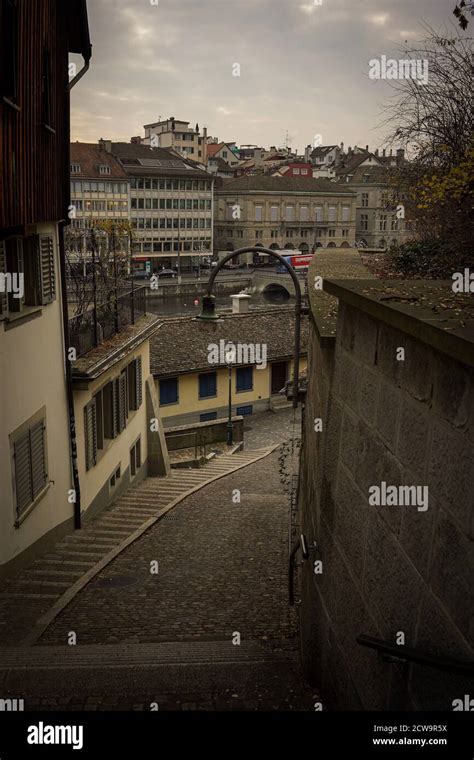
(222, 571)
(266, 428)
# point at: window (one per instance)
(365, 200)
(345, 213)
(319, 213)
(289, 213)
(9, 50)
(32, 257)
(244, 379)
(345, 233)
(364, 221)
(296, 171)
(332, 233)
(394, 223)
(259, 234)
(303, 213)
(104, 169)
(75, 168)
(242, 411)
(135, 458)
(383, 222)
(332, 213)
(304, 171)
(169, 391)
(208, 385)
(208, 416)
(29, 463)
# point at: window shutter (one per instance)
(90, 430)
(122, 402)
(116, 408)
(138, 382)
(38, 458)
(23, 477)
(46, 269)
(3, 292)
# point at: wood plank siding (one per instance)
(34, 112)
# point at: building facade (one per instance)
(178, 135)
(171, 209)
(36, 468)
(192, 380)
(284, 213)
(100, 194)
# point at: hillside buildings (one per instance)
(284, 213)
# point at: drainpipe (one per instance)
(69, 389)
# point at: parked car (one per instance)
(141, 274)
(229, 265)
(166, 273)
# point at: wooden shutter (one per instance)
(122, 402)
(3, 292)
(31, 477)
(90, 434)
(46, 269)
(136, 384)
(23, 478)
(38, 458)
(139, 381)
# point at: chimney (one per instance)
(136, 140)
(240, 303)
(376, 152)
(105, 145)
(366, 148)
(342, 147)
(383, 153)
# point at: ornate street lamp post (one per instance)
(209, 305)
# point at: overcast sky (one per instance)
(303, 67)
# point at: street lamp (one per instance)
(209, 305)
(229, 360)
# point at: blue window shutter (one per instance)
(169, 391)
(244, 378)
(207, 385)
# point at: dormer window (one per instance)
(104, 169)
(75, 168)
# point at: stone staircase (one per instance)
(30, 601)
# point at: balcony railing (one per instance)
(88, 330)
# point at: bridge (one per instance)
(277, 282)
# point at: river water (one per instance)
(190, 305)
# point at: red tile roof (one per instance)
(90, 157)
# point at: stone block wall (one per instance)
(386, 570)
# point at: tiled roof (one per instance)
(258, 183)
(222, 166)
(322, 150)
(368, 174)
(143, 160)
(182, 345)
(90, 157)
(214, 148)
(348, 165)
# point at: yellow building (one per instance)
(191, 372)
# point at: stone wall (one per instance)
(387, 570)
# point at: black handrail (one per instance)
(408, 654)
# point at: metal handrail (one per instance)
(395, 653)
(301, 543)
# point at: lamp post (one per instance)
(230, 359)
(209, 305)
